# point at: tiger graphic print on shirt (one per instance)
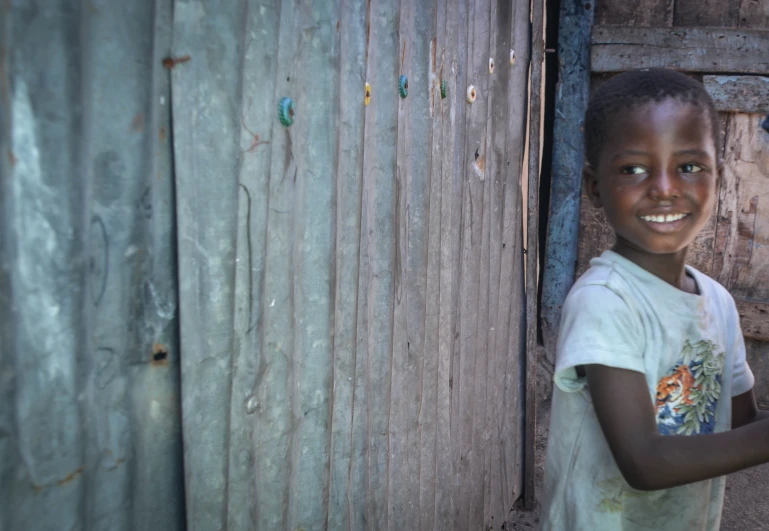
(687, 396)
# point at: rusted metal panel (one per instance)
(90, 424)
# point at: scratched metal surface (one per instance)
(89, 415)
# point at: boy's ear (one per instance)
(590, 185)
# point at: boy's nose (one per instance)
(664, 185)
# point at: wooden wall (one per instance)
(370, 257)
(725, 44)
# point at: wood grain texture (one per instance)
(207, 225)
(754, 318)
(637, 13)
(707, 13)
(532, 259)
(742, 241)
(619, 48)
(745, 94)
(378, 353)
(754, 14)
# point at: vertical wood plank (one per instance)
(259, 61)
(206, 215)
(742, 261)
(412, 186)
(314, 84)
(428, 399)
(450, 219)
(273, 385)
(377, 245)
(472, 354)
(532, 264)
(352, 66)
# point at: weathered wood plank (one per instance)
(472, 354)
(619, 48)
(754, 318)
(377, 249)
(568, 146)
(637, 13)
(747, 94)
(700, 13)
(452, 161)
(352, 35)
(259, 75)
(273, 386)
(754, 14)
(314, 87)
(742, 241)
(414, 143)
(532, 239)
(203, 114)
(428, 396)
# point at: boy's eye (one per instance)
(633, 170)
(690, 168)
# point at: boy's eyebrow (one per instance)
(637, 152)
(696, 152)
(628, 152)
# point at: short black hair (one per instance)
(637, 87)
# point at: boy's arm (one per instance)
(745, 410)
(650, 461)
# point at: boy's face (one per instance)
(656, 176)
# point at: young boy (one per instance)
(653, 402)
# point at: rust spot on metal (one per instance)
(12, 158)
(137, 124)
(163, 134)
(170, 62)
(70, 476)
(159, 354)
(256, 141)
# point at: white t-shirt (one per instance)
(691, 350)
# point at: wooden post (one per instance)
(576, 18)
(532, 237)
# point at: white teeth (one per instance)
(667, 218)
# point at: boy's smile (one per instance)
(656, 178)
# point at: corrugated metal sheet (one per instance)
(350, 289)
(90, 416)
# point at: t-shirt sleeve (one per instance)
(597, 327)
(742, 376)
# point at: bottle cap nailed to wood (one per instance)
(286, 111)
(444, 89)
(470, 94)
(403, 86)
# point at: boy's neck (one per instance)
(669, 267)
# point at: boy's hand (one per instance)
(650, 461)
